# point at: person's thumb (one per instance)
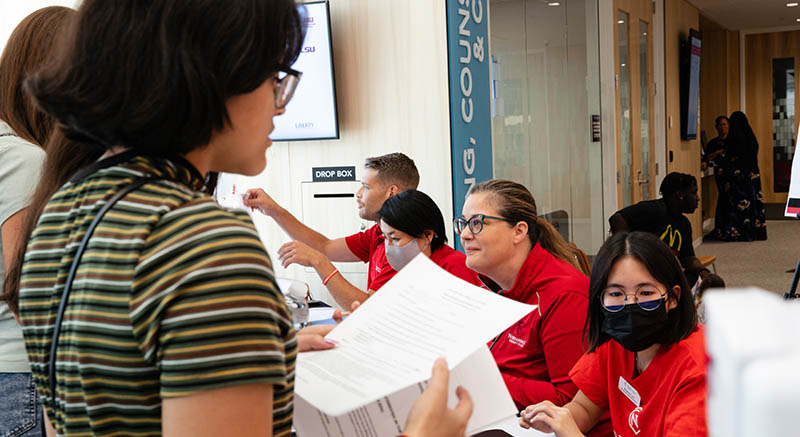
(437, 386)
(464, 408)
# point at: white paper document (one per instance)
(793, 203)
(391, 342)
(387, 416)
(509, 426)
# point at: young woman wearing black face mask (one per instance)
(646, 359)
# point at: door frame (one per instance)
(608, 103)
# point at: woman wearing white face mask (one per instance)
(412, 224)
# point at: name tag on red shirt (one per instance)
(627, 389)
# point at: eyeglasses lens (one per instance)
(648, 299)
(286, 87)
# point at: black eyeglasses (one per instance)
(475, 223)
(285, 86)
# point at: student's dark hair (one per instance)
(515, 203)
(154, 76)
(677, 183)
(395, 168)
(32, 44)
(720, 118)
(414, 212)
(658, 259)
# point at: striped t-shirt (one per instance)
(174, 296)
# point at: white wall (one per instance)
(13, 11)
(391, 77)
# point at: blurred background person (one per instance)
(665, 219)
(24, 133)
(743, 218)
(716, 158)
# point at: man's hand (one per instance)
(260, 200)
(546, 417)
(430, 416)
(312, 338)
(338, 315)
(709, 280)
(296, 252)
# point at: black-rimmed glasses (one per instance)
(648, 297)
(285, 85)
(475, 223)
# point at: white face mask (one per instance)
(399, 256)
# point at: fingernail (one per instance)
(333, 342)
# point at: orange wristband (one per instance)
(330, 275)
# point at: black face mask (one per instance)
(635, 328)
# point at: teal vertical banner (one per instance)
(470, 116)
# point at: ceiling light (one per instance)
(621, 22)
(622, 65)
(797, 19)
(792, 4)
(553, 4)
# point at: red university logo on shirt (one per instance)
(633, 420)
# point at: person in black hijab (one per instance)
(744, 218)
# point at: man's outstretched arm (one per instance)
(335, 250)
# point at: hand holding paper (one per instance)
(388, 346)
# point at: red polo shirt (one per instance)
(536, 354)
(368, 247)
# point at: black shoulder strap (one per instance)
(74, 268)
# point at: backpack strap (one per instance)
(62, 305)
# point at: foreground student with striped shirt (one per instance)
(174, 324)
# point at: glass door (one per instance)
(545, 94)
(634, 92)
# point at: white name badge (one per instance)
(627, 389)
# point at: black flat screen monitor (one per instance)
(690, 84)
(311, 114)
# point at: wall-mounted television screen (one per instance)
(690, 84)
(311, 114)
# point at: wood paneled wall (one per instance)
(713, 76)
(679, 17)
(760, 50)
(733, 71)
